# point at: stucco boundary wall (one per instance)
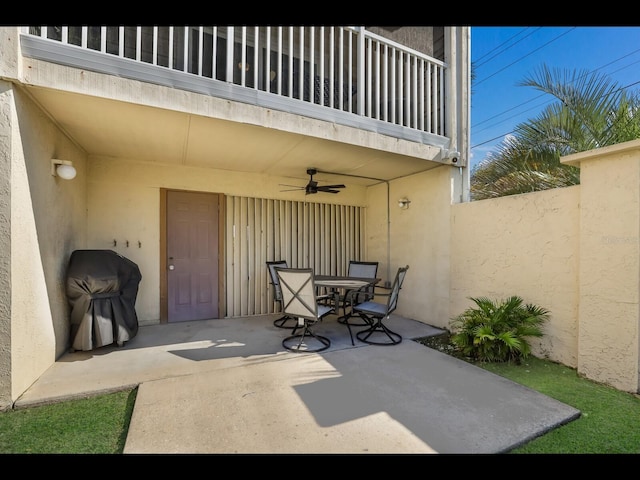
(574, 251)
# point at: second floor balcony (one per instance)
(346, 75)
(275, 101)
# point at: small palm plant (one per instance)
(497, 331)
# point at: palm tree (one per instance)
(590, 111)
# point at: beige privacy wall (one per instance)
(609, 264)
(525, 245)
(574, 251)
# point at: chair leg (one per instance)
(306, 334)
(378, 328)
(282, 322)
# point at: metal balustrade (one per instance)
(343, 68)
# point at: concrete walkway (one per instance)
(228, 386)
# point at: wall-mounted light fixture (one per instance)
(403, 203)
(63, 169)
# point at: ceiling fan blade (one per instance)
(332, 186)
(293, 189)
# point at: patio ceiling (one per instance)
(110, 128)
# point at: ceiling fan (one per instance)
(313, 187)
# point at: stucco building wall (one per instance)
(419, 237)
(48, 222)
(123, 204)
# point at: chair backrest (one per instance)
(277, 293)
(392, 302)
(363, 270)
(298, 292)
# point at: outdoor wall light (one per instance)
(403, 203)
(63, 169)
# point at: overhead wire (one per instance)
(542, 94)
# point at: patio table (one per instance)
(347, 284)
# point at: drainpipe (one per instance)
(387, 282)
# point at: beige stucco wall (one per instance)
(6, 107)
(48, 222)
(419, 237)
(608, 333)
(525, 245)
(123, 204)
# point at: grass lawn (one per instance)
(89, 425)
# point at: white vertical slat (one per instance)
(279, 62)
(256, 54)
(320, 236)
(376, 97)
(155, 45)
(170, 60)
(251, 257)
(340, 69)
(332, 59)
(103, 39)
(400, 89)
(243, 276)
(185, 49)
(290, 57)
(321, 61)
(421, 99)
(121, 41)
(267, 60)
(261, 257)
(214, 53)
(350, 75)
(297, 220)
(200, 49)
(317, 227)
(369, 67)
(414, 93)
(243, 56)
(311, 64)
(230, 61)
(429, 99)
(138, 43)
(270, 244)
(301, 60)
(441, 102)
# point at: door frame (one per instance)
(164, 282)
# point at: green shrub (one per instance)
(497, 331)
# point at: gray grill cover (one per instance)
(102, 287)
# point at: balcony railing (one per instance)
(341, 68)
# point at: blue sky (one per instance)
(504, 56)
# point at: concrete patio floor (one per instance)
(227, 386)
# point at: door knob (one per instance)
(171, 267)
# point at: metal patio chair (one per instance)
(376, 313)
(285, 321)
(348, 298)
(300, 301)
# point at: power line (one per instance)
(525, 56)
(508, 133)
(478, 65)
(542, 94)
